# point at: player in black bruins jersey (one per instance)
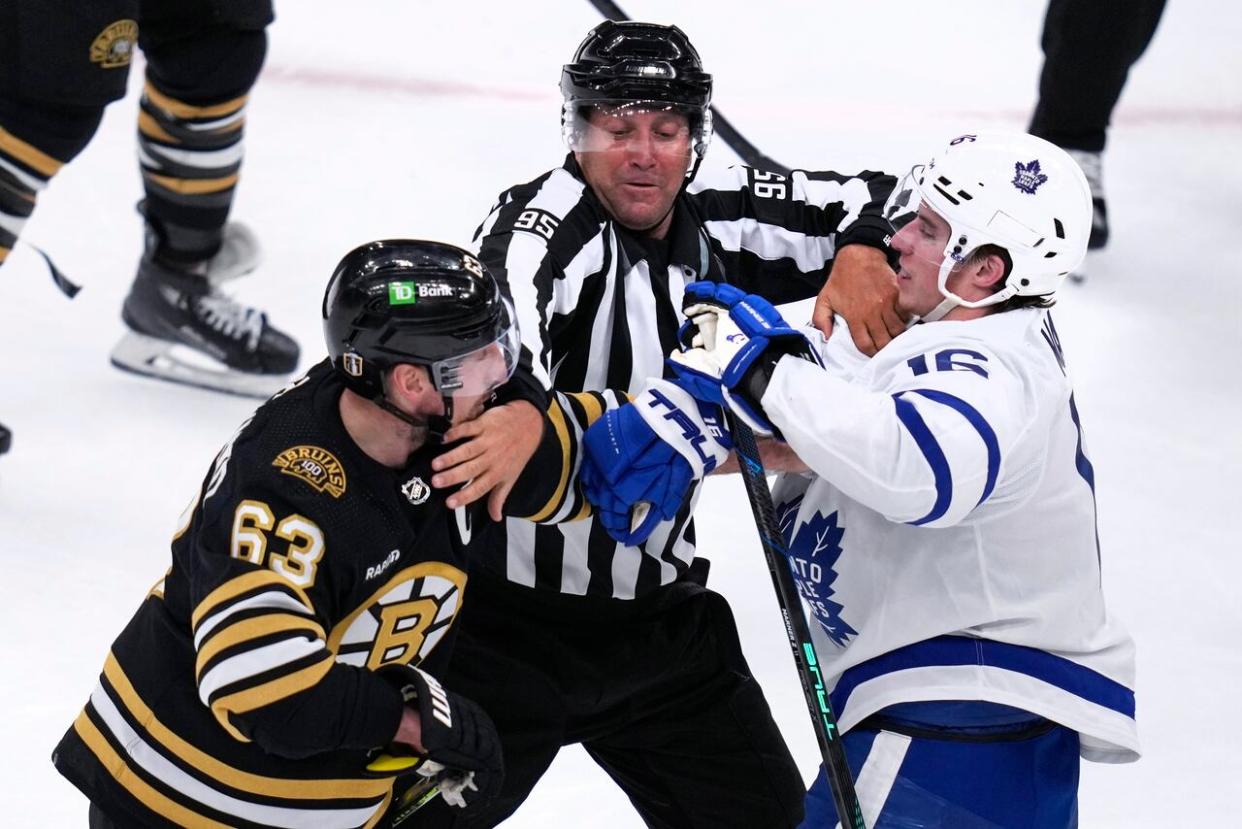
(315, 580)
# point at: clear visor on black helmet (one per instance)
(482, 371)
(657, 127)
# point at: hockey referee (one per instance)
(571, 637)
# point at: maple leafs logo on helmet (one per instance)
(1027, 177)
(1038, 212)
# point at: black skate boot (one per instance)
(184, 329)
(1092, 167)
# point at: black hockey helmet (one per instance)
(413, 301)
(635, 61)
(628, 62)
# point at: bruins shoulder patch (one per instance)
(114, 47)
(317, 467)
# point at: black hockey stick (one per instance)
(414, 798)
(747, 151)
(849, 812)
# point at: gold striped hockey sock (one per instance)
(24, 171)
(190, 157)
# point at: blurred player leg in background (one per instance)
(61, 63)
(202, 59)
(1089, 47)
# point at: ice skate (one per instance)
(1092, 167)
(239, 254)
(184, 329)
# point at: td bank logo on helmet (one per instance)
(407, 293)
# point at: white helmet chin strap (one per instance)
(952, 300)
(946, 305)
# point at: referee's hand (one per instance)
(495, 448)
(863, 289)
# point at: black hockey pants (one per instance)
(656, 690)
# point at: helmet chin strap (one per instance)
(950, 301)
(436, 425)
(946, 305)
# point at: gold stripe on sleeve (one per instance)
(562, 433)
(229, 635)
(240, 585)
(591, 405)
(268, 693)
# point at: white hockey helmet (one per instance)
(1012, 190)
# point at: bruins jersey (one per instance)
(242, 692)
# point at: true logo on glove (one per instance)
(689, 430)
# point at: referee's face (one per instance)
(635, 161)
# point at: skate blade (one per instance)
(152, 357)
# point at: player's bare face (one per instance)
(635, 162)
(920, 250)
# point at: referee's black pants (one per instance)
(656, 690)
(1089, 47)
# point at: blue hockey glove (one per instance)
(735, 340)
(639, 460)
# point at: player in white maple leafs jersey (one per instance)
(944, 535)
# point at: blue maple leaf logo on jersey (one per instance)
(814, 548)
(1027, 177)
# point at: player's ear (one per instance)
(989, 272)
(409, 382)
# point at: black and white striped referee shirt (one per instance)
(599, 307)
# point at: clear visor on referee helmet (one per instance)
(659, 127)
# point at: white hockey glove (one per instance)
(734, 341)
